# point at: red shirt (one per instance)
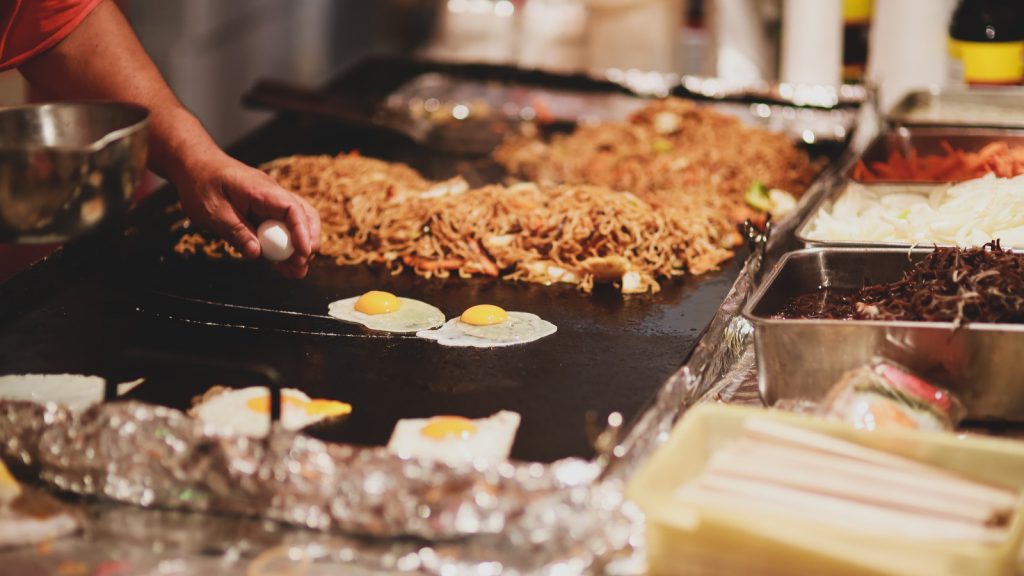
(31, 27)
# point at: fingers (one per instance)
(293, 269)
(314, 225)
(232, 195)
(264, 199)
(229, 225)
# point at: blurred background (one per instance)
(211, 51)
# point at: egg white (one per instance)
(520, 328)
(75, 392)
(228, 412)
(411, 316)
(21, 528)
(492, 441)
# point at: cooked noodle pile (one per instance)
(386, 214)
(672, 146)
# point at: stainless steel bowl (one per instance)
(67, 168)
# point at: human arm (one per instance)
(102, 59)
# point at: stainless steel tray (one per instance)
(927, 140)
(804, 358)
(997, 108)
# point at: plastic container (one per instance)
(723, 540)
(986, 43)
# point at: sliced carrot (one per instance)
(428, 264)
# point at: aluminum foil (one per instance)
(153, 456)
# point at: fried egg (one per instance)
(75, 392)
(455, 439)
(246, 411)
(29, 516)
(486, 326)
(386, 312)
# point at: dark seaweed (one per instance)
(983, 284)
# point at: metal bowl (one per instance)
(67, 168)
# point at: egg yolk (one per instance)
(320, 407)
(7, 481)
(484, 315)
(316, 407)
(377, 302)
(442, 427)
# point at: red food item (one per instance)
(913, 386)
(954, 166)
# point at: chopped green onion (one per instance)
(757, 197)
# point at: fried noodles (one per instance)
(672, 146)
(377, 213)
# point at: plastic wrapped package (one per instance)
(884, 395)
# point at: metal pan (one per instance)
(804, 358)
(926, 140)
(67, 168)
(996, 108)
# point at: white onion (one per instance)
(967, 214)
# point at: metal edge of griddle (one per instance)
(641, 437)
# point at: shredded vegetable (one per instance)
(954, 166)
(983, 284)
(967, 214)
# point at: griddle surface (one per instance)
(80, 311)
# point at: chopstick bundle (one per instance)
(818, 477)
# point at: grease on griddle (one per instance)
(957, 285)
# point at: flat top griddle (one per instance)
(80, 310)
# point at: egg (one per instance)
(246, 411)
(386, 312)
(30, 516)
(455, 439)
(75, 392)
(487, 326)
(275, 241)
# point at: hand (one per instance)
(230, 198)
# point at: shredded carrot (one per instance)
(428, 264)
(951, 166)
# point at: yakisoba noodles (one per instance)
(386, 214)
(697, 154)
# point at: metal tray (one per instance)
(804, 358)
(927, 140)
(996, 108)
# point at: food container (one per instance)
(707, 539)
(997, 108)
(928, 140)
(803, 358)
(66, 168)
